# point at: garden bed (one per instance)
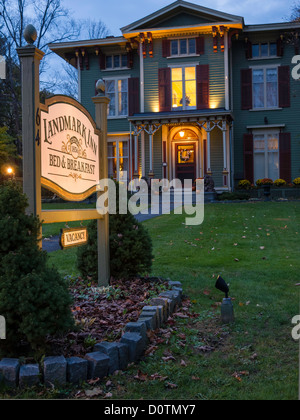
(102, 313)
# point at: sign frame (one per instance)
(63, 232)
(48, 183)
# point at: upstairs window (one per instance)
(264, 50)
(183, 88)
(117, 61)
(117, 92)
(265, 88)
(184, 46)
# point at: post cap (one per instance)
(30, 34)
(100, 87)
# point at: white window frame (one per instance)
(264, 68)
(186, 38)
(266, 132)
(116, 79)
(118, 140)
(183, 66)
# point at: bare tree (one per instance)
(53, 24)
(88, 29)
(295, 17)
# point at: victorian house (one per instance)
(195, 91)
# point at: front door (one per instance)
(185, 161)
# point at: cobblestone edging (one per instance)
(106, 358)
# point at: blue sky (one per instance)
(118, 13)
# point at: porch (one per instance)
(182, 146)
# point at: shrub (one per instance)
(244, 184)
(296, 182)
(264, 181)
(279, 182)
(130, 248)
(34, 299)
(233, 196)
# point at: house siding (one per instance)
(287, 116)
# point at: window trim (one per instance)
(107, 69)
(183, 66)
(268, 57)
(118, 139)
(116, 79)
(178, 39)
(266, 132)
(264, 68)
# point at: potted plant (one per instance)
(296, 182)
(266, 184)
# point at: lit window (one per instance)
(184, 88)
(185, 46)
(266, 156)
(118, 159)
(265, 88)
(117, 92)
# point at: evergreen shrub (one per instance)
(34, 299)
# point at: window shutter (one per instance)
(285, 156)
(284, 86)
(133, 95)
(248, 50)
(200, 45)
(202, 81)
(164, 82)
(130, 59)
(248, 158)
(280, 48)
(166, 48)
(246, 89)
(102, 60)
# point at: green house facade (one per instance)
(194, 92)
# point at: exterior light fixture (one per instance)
(9, 170)
(227, 315)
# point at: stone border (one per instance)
(106, 358)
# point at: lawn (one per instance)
(255, 248)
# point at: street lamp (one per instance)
(227, 315)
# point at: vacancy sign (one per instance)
(73, 237)
(69, 149)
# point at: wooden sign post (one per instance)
(64, 150)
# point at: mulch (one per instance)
(102, 315)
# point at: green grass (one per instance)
(255, 248)
(53, 229)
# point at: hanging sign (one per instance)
(73, 237)
(69, 149)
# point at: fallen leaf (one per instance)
(93, 392)
(195, 378)
(171, 386)
(183, 363)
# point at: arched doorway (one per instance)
(185, 145)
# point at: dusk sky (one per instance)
(118, 13)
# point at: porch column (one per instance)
(208, 129)
(136, 132)
(225, 169)
(151, 131)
